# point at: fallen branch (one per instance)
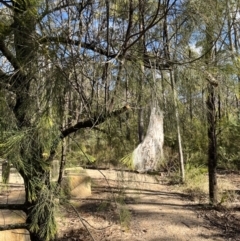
(13, 226)
(85, 226)
(13, 207)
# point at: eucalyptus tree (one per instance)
(228, 95)
(213, 31)
(216, 60)
(61, 67)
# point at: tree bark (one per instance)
(142, 50)
(13, 206)
(14, 226)
(211, 111)
(212, 146)
(96, 120)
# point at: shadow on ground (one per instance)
(102, 208)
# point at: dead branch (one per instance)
(13, 226)
(96, 120)
(13, 207)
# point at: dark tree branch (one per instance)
(3, 76)
(13, 207)
(154, 21)
(5, 3)
(130, 23)
(89, 46)
(96, 120)
(79, 6)
(48, 11)
(148, 57)
(89, 123)
(13, 226)
(93, 46)
(10, 57)
(6, 80)
(121, 54)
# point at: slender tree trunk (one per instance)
(163, 92)
(181, 159)
(211, 113)
(142, 73)
(105, 76)
(128, 130)
(174, 92)
(140, 108)
(62, 163)
(234, 40)
(190, 103)
(212, 146)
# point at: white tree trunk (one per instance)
(148, 153)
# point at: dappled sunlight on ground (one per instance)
(139, 207)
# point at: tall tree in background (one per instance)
(213, 36)
(142, 51)
(170, 55)
(212, 26)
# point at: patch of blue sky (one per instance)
(5, 65)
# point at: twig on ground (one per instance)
(84, 220)
(109, 187)
(85, 226)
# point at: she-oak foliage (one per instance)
(71, 65)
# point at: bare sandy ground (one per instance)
(128, 206)
(150, 210)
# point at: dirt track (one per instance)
(136, 207)
(153, 211)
